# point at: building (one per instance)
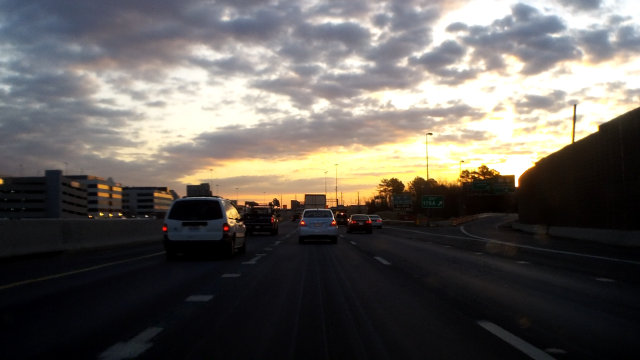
(49, 196)
(104, 196)
(199, 190)
(146, 201)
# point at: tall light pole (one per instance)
(325, 183)
(460, 175)
(427, 150)
(337, 185)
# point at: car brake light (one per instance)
(226, 227)
(368, 221)
(334, 223)
(165, 228)
(273, 220)
(302, 223)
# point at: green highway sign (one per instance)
(432, 201)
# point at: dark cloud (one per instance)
(551, 102)
(582, 4)
(616, 39)
(537, 40)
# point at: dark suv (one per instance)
(261, 219)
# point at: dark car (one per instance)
(342, 218)
(359, 222)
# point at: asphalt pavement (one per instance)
(476, 291)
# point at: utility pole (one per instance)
(573, 133)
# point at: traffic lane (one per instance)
(323, 301)
(555, 309)
(82, 312)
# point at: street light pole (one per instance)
(427, 151)
(337, 186)
(325, 183)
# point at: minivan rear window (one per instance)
(195, 210)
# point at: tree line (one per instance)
(452, 192)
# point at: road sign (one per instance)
(401, 200)
(432, 201)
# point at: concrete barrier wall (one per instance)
(33, 236)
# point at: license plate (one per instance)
(317, 225)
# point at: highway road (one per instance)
(477, 291)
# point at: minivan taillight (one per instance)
(226, 228)
(165, 228)
(302, 223)
(334, 223)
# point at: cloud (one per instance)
(551, 102)
(84, 83)
(585, 5)
(535, 39)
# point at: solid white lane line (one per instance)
(199, 298)
(603, 279)
(548, 250)
(382, 260)
(532, 351)
(55, 276)
(132, 348)
(353, 243)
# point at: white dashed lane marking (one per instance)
(231, 275)
(132, 348)
(382, 260)
(199, 298)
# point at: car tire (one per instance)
(334, 240)
(170, 255)
(300, 240)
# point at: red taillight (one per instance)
(334, 223)
(368, 221)
(165, 228)
(226, 227)
(273, 220)
(302, 223)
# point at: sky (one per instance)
(265, 99)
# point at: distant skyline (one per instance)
(263, 98)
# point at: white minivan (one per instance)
(203, 224)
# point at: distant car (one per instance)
(203, 224)
(359, 222)
(376, 221)
(342, 218)
(317, 223)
